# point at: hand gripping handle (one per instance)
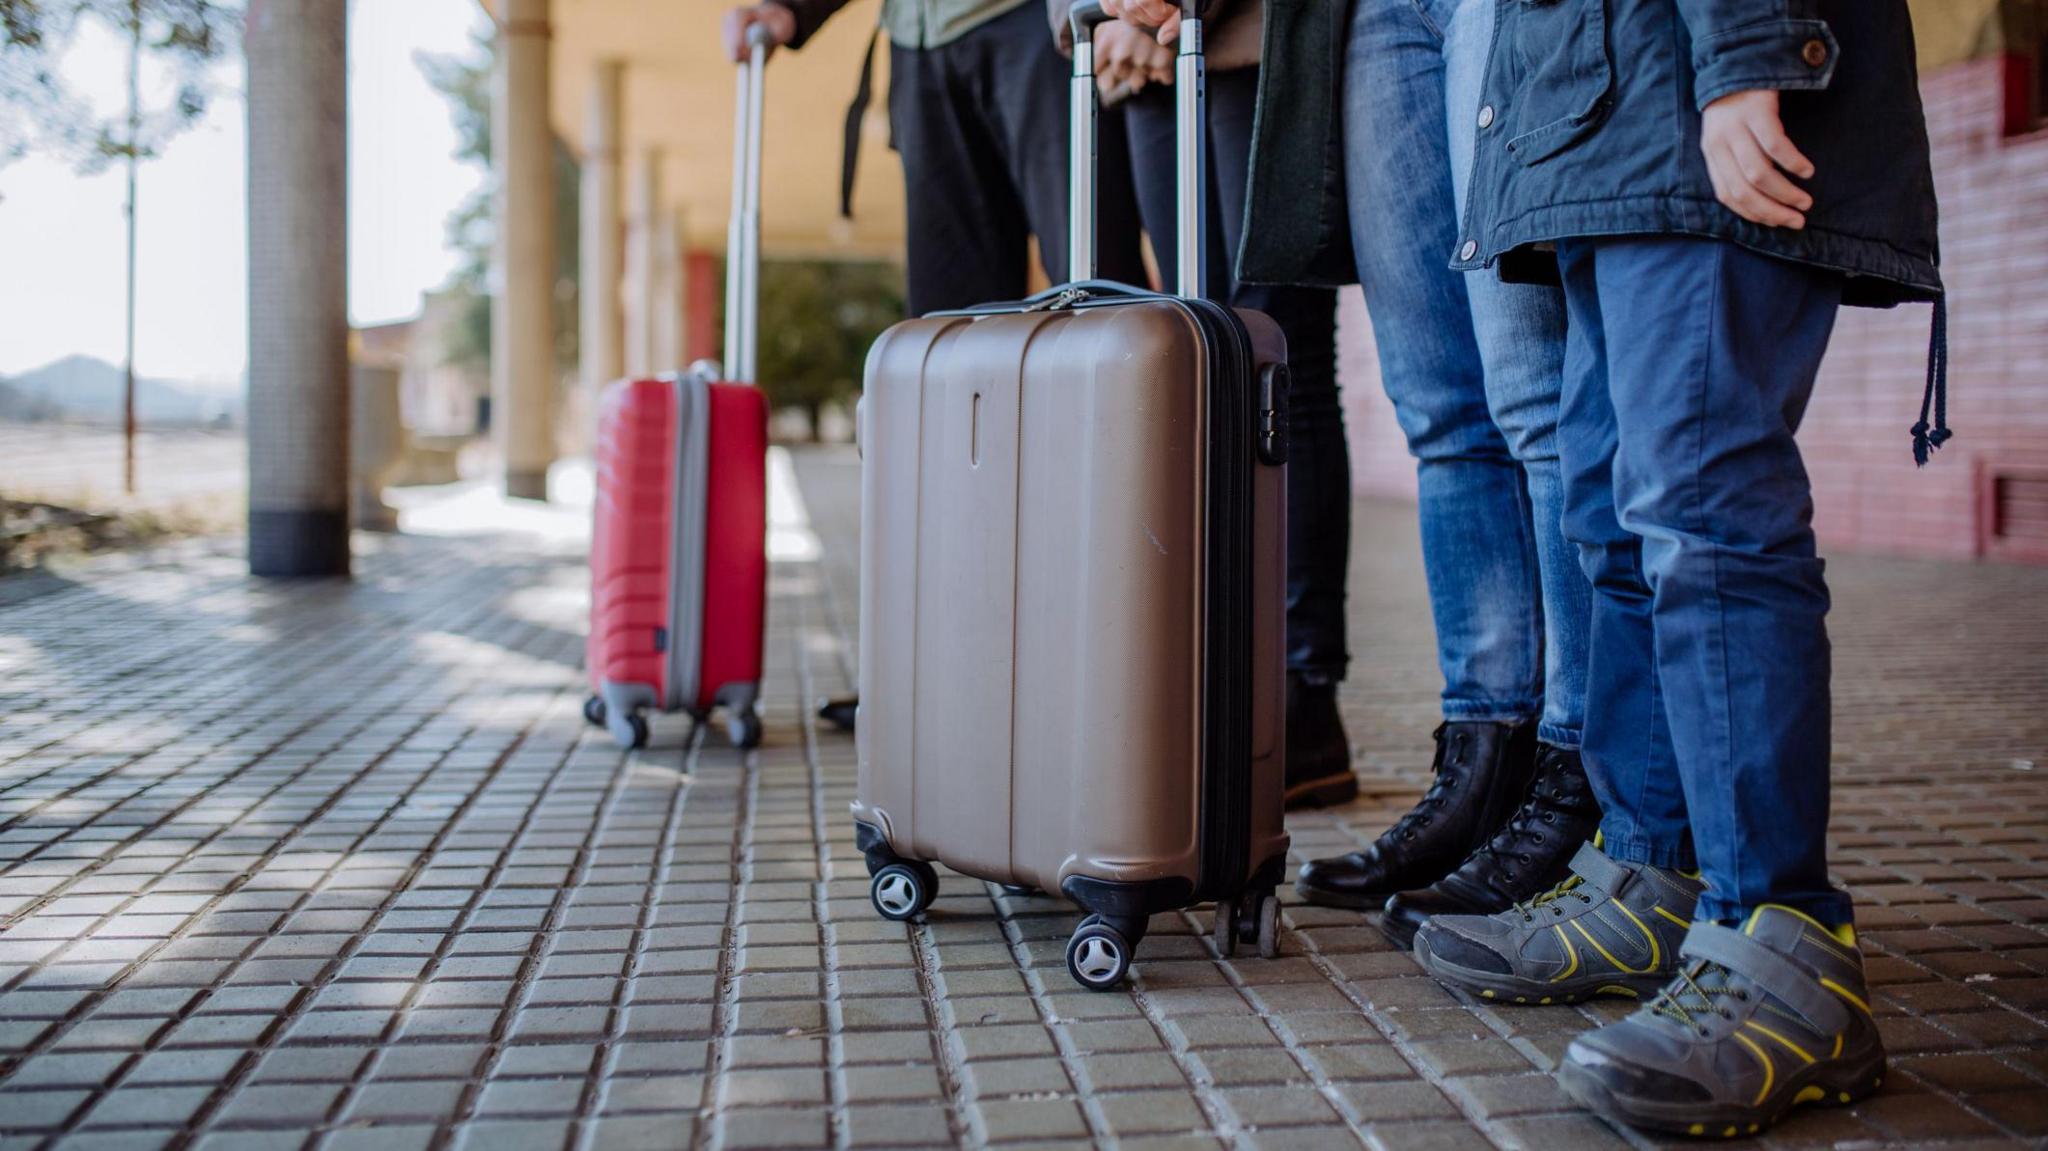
(1190, 110)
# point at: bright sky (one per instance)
(62, 240)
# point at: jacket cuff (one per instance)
(809, 14)
(1783, 55)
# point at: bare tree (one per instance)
(38, 110)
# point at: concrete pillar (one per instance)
(298, 288)
(643, 211)
(667, 337)
(602, 336)
(522, 310)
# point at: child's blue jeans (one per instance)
(1687, 369)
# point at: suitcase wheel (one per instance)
(1269, 926)
(901, 891)
(1250, 918)
(1224, 933)
(743, 728)
(593, 711)
(1098, 955)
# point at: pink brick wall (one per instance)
(1868, 495)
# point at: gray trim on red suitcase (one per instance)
(686, 557)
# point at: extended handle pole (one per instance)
(743, 233)
(1191, 148)
(1190, 125)
(1081, 112)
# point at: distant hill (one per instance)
(89, 389)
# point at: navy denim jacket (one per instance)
(1590, 126)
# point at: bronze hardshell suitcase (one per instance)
(1072, 566)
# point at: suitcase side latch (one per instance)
(1275, 383)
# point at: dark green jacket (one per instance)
(909, 23)
(1297, 228)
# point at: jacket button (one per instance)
(1815, 53)
(1486, 117)
(1470, 250)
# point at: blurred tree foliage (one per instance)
(817, 320)
(38, 110)
(465, 80)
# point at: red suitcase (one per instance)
(678, 555)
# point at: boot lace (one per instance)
(1696, 994)
(1554, 899)
(1549, 799)
(1416, 818)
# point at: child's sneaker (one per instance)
(1757, 1022)
(1611, 929)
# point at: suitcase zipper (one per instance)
(1066, 299)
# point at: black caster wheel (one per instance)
(901, 891)
(593, 711)
(1098, 955)
(744, 729)
(1019, 890)
(1269, 926)
(640, 732)
(841, 712)
(1224, 933)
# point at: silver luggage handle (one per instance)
(743, 234)
(1191, 151)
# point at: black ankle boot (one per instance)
(1528, 856)
(1318, 754)
(1482, 773)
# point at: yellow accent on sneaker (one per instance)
(1770, 1070)
(1793, 1047)
(1847, 994)
(1810, 1094)
(1609, 956)
(1568, 950)
(1659, 909)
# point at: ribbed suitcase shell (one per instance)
(674, 563)
(1043, 604)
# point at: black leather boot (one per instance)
(1318, 754)
(1528, 856)
(1482, 775)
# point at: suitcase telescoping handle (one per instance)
(1191, 153)
(743, 235)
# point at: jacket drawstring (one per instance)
(1925, 438)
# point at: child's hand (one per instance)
(1748, 155)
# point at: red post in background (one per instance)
(703, 306)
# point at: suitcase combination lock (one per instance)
(1275, 382)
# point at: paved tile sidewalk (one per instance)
(339, 866)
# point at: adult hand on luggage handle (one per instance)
(778, 21)
(1147, 14)
(1126, 59)
(1748, 157)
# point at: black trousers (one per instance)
(1319, 462)
(981, 125)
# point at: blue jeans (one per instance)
(1473, 368)
(1687, 371)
